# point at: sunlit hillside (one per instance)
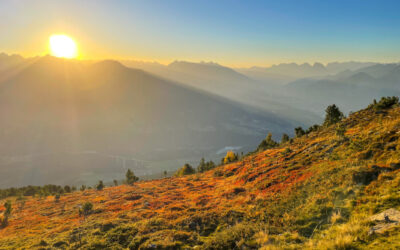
(324, 189)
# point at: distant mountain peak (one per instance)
(318, 65)
(109, 63)
(186, 63)
(360, 77)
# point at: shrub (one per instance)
(234, 237)
(83, 188)
(87, 208)
(8, 207)
(333, 115)
(6, 215)
(42, 243)
(341, 130)
(30, 191)
(287, 151)
(385, 103)
(67, 189)
(267, 143)
(230, 157)
(218, 173)
(3, 221)
(115, 183)
(285, 138)
(130, 177)
(121, 235)
(100, 186)
(185, 170)
(299, 131)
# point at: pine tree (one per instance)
(299, 131)
(285, 138)
(267, 143)
(333, 115)
(205, 166)
(130, 177)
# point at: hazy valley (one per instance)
(94, 120)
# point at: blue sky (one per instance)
(236, 33)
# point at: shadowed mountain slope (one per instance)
(228, 83)
(68, 121)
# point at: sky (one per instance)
(233, 33)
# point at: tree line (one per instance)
(57, 190)
(333, 115)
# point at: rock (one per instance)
(391, 213)
(385, 221)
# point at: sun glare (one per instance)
(63, 46)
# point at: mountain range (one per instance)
(67, 121)
(295, 91)
(350, 89)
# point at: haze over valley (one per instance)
(93, 120)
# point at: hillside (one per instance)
(317, 191)
(92, 121)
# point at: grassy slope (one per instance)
(300, 195)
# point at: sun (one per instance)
(63, 46)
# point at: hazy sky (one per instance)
(235, 33)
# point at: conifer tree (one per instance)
(285, 138)
(130, 177)
(333, 115)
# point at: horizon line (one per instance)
(166, 63)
